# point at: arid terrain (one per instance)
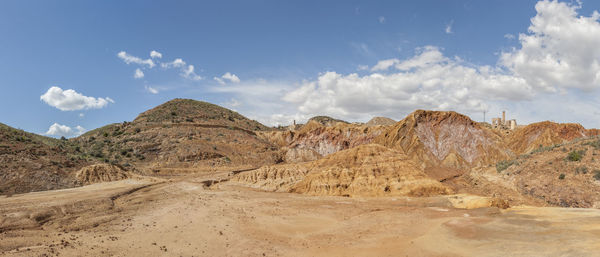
(190, 178)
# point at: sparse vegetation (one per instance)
(561, 176)
(581, 169)
(595, 144)
(597, 174)
(502, 165)
(542, 148)
(576, 156)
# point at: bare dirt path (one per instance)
(183, 217)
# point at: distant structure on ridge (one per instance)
(502, 123)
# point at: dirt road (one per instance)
(184, 217)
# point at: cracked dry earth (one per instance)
(183, 216)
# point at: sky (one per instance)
(71, 66)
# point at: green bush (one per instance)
(561, 176)
(502, 165)
(575, 156)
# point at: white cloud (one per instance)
(381, 19)
(427, 56)
(385, 64)
(227, 76)
(509, 36)
(155, 54)
(127, 58)
(81, 115)
(70, 100)
(59, 130)
(557, 57)
(189, 73)
(560, 51)
(151, 90)
(448, 29)
(138, 74)
(177, 63)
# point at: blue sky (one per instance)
(294, 59)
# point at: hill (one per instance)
(444, 144)
(545, 133)
(315, 140)
(566, 175)
(326, 121)
(182, 136)
(192, 111)
(380, 121)
(30, 162)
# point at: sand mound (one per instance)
(366, 170)
(100, 173)
(277, 178)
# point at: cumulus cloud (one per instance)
(229, 77)
(557, 56)
(155, 54)
(427, 81)
(138, 74)
(59, 130)
(127, 58)
(70, 100)
(560, 51)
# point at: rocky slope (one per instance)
(182, 136)
(366, 170)
(315, 140)
(566, 175)
(197, 112)
(546, 133)
(444, 144)
(30, 162)
(101, 173)
(326, 121)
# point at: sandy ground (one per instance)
(183, 217)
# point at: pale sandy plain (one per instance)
(184, 216)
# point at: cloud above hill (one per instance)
(557, 55)
(59, 130)
(187, 71)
